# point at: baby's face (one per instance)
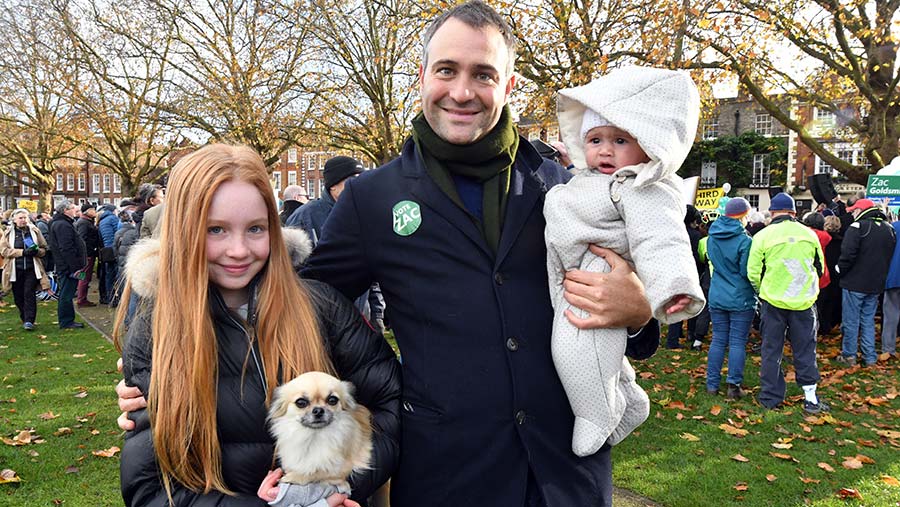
(609, 149)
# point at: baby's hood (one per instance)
(659, 107)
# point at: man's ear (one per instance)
(510, 85)
(421, 76)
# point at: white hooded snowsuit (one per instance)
(638, 212)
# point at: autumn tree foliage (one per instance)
(366, 56)
(39, 128)
(119, 89)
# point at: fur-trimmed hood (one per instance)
(658, 107)
(142, 264)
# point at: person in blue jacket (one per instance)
(732, 300)
(453, 230)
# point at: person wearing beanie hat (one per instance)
(732, 301)
(782, 202)
(865, 261)
(784, 267)
(737, 208)
(311, 216)
(628, 132)
(89, 233)
(338, 169)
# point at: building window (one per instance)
(276, 181)
(760, 170)
(95, 183)
(81, 182)
(34, 191)
(59, 182)
(711, 128)
(292, 177)
(825, 118)
(764, 124)
(311, 190)
(708, 174)
(753, 199)
(106, 184)
(24, 185)
(292, 156)
(117, 183)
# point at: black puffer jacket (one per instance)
(866, 253)
(359, 356)
(89, 234)
(66, 245)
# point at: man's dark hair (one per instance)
(476, 14)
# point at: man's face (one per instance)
(465, 82)
(90, 213)
(72, 211)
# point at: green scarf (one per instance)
(488, 161)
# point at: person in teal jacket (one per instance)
(784, 267)
(732, 301)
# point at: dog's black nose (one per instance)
(318, 412)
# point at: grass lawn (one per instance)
(684, 454)
(58, 407)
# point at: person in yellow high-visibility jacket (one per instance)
(784, 267)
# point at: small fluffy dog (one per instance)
(322, 435)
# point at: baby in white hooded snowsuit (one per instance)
(635, 210)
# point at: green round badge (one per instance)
(407, 217)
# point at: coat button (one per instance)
(498, 278)
(520, 417)
(512, 344)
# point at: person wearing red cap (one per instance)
(865, 259)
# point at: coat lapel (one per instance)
(432, 197)
(524, 192)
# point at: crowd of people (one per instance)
(794, 279)
(55, 257)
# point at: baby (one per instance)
(627, 132)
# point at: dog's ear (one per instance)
(349, 398)
(279, 404)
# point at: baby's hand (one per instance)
(677, 303)
(269, 488)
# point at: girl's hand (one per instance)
(338, 499)
(268, 490)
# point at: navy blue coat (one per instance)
(481, 399)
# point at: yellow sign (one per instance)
(31, 206)
(708, 198)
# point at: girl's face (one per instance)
(237, 239)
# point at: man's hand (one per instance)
(130, 399)
(614, 299)
(563, 153)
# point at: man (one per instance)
(454, 232)
(311, 216)
(294, 196)
(70, 261)
(91, 237)
(785, 264)
(865, 259)
(892, 300)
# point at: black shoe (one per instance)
(74, 325)
(816, 408)
(712, 392)
(735, 392)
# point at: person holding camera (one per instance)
(70, 257)
(22, 246)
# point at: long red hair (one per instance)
(182, 399)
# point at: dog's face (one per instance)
(314, 399)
